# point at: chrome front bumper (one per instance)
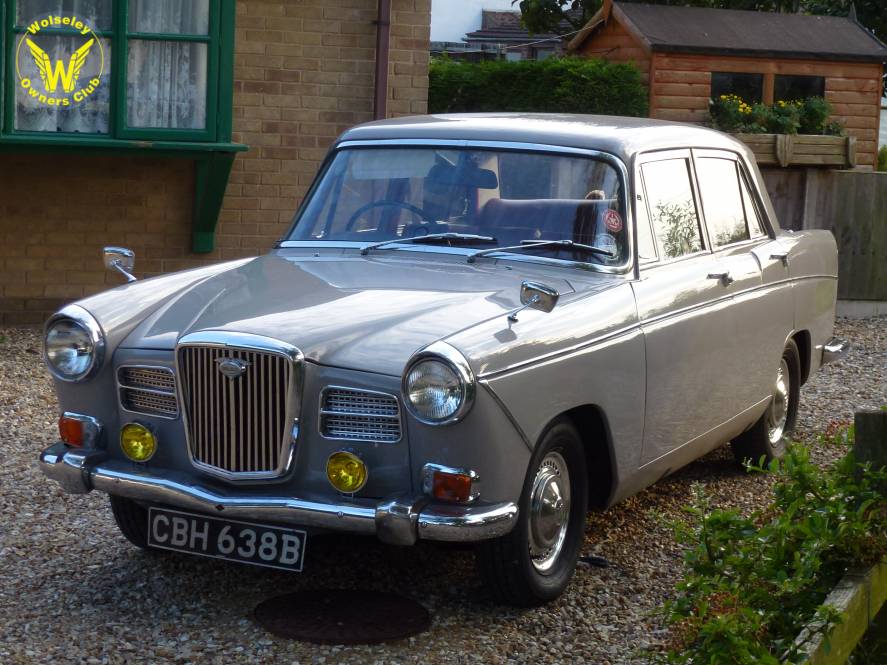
(834, 349)
(399, 520)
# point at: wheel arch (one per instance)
(591, 423)
(802, 340)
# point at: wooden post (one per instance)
(871, 438)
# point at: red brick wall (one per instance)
(303, 74)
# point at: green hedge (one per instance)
(555, 85)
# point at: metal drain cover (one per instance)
(342, 617)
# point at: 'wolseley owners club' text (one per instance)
(60, 71)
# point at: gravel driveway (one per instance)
(72, 590)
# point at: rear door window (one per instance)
(719, 188)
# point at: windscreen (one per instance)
(380, 193)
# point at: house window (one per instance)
(798, 87)
(119, 69)
(748, 86)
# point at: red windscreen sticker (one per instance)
(613, 221)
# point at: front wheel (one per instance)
(767, 436)
(534, 563)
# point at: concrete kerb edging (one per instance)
(858, 597)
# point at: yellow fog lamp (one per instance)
(138, 442)
(346, 472)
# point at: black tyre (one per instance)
(534, 563)
(767, 437)
(132, 520)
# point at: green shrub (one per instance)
(555, 85)
(730, 113)
(752, 583)
(815, 112)
(882, 158)
(783, 118)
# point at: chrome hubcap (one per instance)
(777, 415)
(549, 511)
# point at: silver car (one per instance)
(477, 328)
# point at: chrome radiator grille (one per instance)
(360, 415)
(148, 390)
(238, 425)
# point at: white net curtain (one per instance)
(166, 80)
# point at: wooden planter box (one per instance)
(802, 150)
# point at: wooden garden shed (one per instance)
(688, 55)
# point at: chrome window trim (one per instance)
(249, 342)
(88, 322)
(543, 148)
(449, 355)
(123, 386)
(321, 412)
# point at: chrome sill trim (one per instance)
(398, 520)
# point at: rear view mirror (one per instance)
(120, 259)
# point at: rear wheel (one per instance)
(534, 563)
(132, 520)
(767, 437)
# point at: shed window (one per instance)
(119, 69)
(789, 88)
(748, 86)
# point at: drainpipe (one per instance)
(383, 33)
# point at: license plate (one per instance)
(232, 540)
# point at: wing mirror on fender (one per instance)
(120, 259)
(535, 296)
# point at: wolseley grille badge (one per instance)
(233, 368)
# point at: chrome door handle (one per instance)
(780, 256)
(723, 276)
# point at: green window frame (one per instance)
(219, 41)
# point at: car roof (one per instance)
(620, 136)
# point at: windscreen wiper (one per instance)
(534, 244)
(449, 238)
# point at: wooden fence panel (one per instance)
(853, 206)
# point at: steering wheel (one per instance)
(379, 204)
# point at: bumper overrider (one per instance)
(399, 520)
(834, 349)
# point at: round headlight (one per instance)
(73, 344)
(438, 385)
